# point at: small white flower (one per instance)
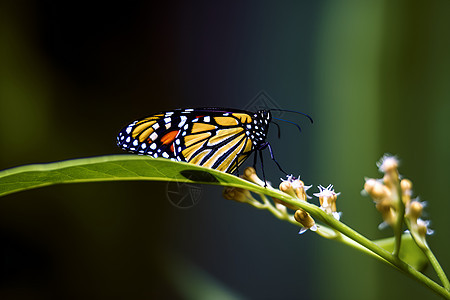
(327, 198)
(425, 224)
(290, 178)
(387, 162)
(326, 192)
(297, 186)
(304, 229)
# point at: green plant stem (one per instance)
(421, 242)
(317, 213)
(398, 227)
(437, 267)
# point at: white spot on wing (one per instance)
(153, 136)
(182, 122)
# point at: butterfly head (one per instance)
(265, 116)
(259, 127)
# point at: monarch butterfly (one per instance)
(218, 138)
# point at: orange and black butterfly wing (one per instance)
(217, 138)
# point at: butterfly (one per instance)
(217, 138)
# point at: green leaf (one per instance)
(409, 251)
(111, 168)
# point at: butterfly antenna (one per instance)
(293, 111)
(289, 122)
(279, 132)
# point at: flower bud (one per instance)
(250, 175)
(304, 218)
(414, 210)
(406, 185)
(389, 166)
(286, 187)
(392, 198)
(300, 189)
(390, 180)
(376, 189)
(422, 228)
(387, 212)
(327, 198)
(236, 194)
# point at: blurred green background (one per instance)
(374, 75)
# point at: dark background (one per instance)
(373, 74)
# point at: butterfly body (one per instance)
(218, 138)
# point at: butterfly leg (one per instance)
(273, 158)
(255, 158)
(262, 167)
